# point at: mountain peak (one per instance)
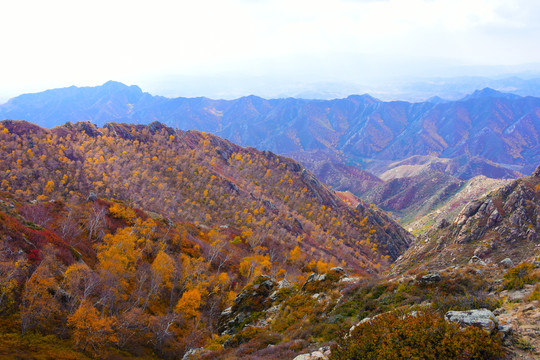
(116, 86)
(489, 93)
(436, 100)
(363, 97)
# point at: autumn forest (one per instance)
(137, 238)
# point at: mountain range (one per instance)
(499, 129)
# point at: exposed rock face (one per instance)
(92, 197)
(512, 212)
(476, 260)
(443, 223)
(433, 276)
(482, 318)
(314, 278)
(255, 297)
(193, 354)
(536, 173)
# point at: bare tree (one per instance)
(95, 222)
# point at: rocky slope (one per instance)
(502, 224)
(447, 210)
(334, 170)
(410, 197)
(462, 167)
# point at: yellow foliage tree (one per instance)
(80, 281)
(49, 187)
(322, 267)
(122, 212)
(117, 258)
(189, 304)
(252, 266)
(89, 329)
(296, 255)
(40, 309)
(163, 269)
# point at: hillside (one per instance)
(462, 167)
(501, 224)
(415, 187)
(447, 210)
(410, 197)
(146, 234)
(492, 126)
(333, 170)
(195, 177)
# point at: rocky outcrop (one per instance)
(536, 173)
(508, 215)
(431, 277)
(507, 263)
(313, 278)
(504, 223)
(252, 300)
(483, 318)
(321, 354)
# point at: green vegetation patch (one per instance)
(420, 335)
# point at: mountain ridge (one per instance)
(360, 126)
(245, 177)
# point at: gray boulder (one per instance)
(313, 278)
(321, 354)
(431, 277)
(476, 260)
(483, 318)
(507, 263)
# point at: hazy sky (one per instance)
(156, 43)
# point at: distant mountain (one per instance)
(455, 88)
(488, 125)
(333, 170)
(462, 167)
(415, 187)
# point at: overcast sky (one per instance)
(156, 43)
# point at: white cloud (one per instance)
(63, 42)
